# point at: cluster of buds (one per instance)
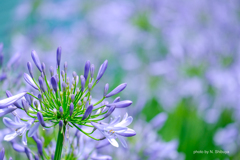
(64, 101)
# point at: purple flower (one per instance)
(121, 104)
(92, 68)
(5, 111)
(59, 53)
(101, 70)
(71, 109)
(18, 147)
(110, 111)
(29, 66)
(2, 153)
(116, 129)
(20, 128)
(36, 60)
(9, 94)
(40, 118)
(86, 69)
(54, 83)
(82, 83)
(116, 100)
(30, 81)
(8, 101)
(87, 112)
(117, 90)
(41, 83)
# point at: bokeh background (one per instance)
(179, 58)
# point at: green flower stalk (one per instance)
(64, 101)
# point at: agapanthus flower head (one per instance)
(62, 102)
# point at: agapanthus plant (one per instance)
(64, 101)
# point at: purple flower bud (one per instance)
(92, 68)
(60, 124)
(10, 158)
(64, 86)
(82, 83)
(116, 100)
(105, 89)
(43, 68)
(74, 74)
(9, 94)
(3, 76)
(86, 69)
(72, 97)
(51, 70)
(29, 66)
(65, 67)
(27, 151)
(36, 60)
(63, 73)
(25, 105)
(59, 52)
(110, 111)
(30, 81)
(121, 104)
(1, 59)
(54, 84)
(101, 70)
(2, 153)
(40, 97)
(117, 90)
(8, 101)
(18, 147)
(36, 157)
(71, 109)
(61, 110)
(40, 118)
(87, 112)
(27, 97)
(41, 83)
(40, 147)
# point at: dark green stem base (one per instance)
(59, 145)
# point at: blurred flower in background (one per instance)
(179, 58)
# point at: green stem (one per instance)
(59, 146)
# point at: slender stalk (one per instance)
(59, 146)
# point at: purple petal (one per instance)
(41, 83)
(30, 81)
(2, 153)
(117, 90)
(92, 68)
(33, 130)
(101, 157)
(9, 94)
(11, 124)
(36, 60)
(10, 136)
(5, 111)
(18, 147)
(24, 138)
(121, 104)
(123, 141)
(29, 66)
(128, 133)
(8, 101)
